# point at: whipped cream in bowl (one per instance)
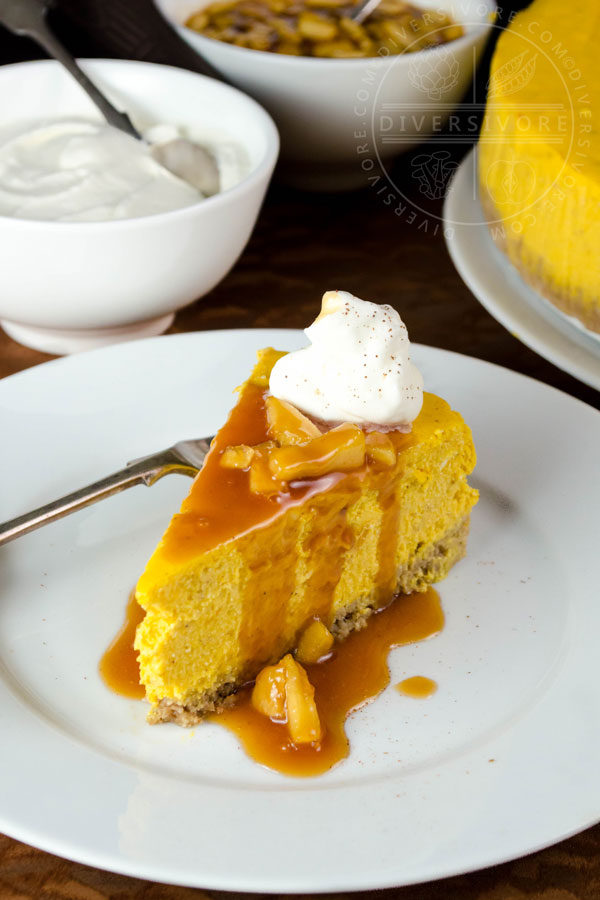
(76, 169)
(356, 369)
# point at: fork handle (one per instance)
(146, 471)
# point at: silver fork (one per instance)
(184, 458)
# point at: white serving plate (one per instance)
(501, 761)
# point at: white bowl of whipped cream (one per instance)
(98, 244)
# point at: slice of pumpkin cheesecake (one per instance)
(298, 517)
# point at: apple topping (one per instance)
(315, 642)
(268, 693)
(287, 425)
(284, 693)
(380, 449)
(303, 721)
(297, 449)
(340, 450)
(262, 478)
(238, 457)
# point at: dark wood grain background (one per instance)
(305, 244)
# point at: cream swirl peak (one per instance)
(356, 369)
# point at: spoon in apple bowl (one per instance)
(364, 10)
(183, 158)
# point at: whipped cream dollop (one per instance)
(357, 368)
(83, 170)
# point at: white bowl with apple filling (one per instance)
(341, 119)
(84, 261)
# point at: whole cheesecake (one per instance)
(288, 522)
(539, 153)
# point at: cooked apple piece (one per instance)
(268, 693)
(303, 721)
(287, 425)
(238, 457)
(315, 642)
(262, 479)
(340, 450)
(315, 27)
(380, 448)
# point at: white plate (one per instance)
(500, 289)
(500, 761)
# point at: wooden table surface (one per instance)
(305, 244)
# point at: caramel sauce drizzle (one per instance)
(388, 540)
(221, 505)
(119, 665)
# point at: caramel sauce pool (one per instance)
(418, 686)
(355, 673)
(119, 666)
